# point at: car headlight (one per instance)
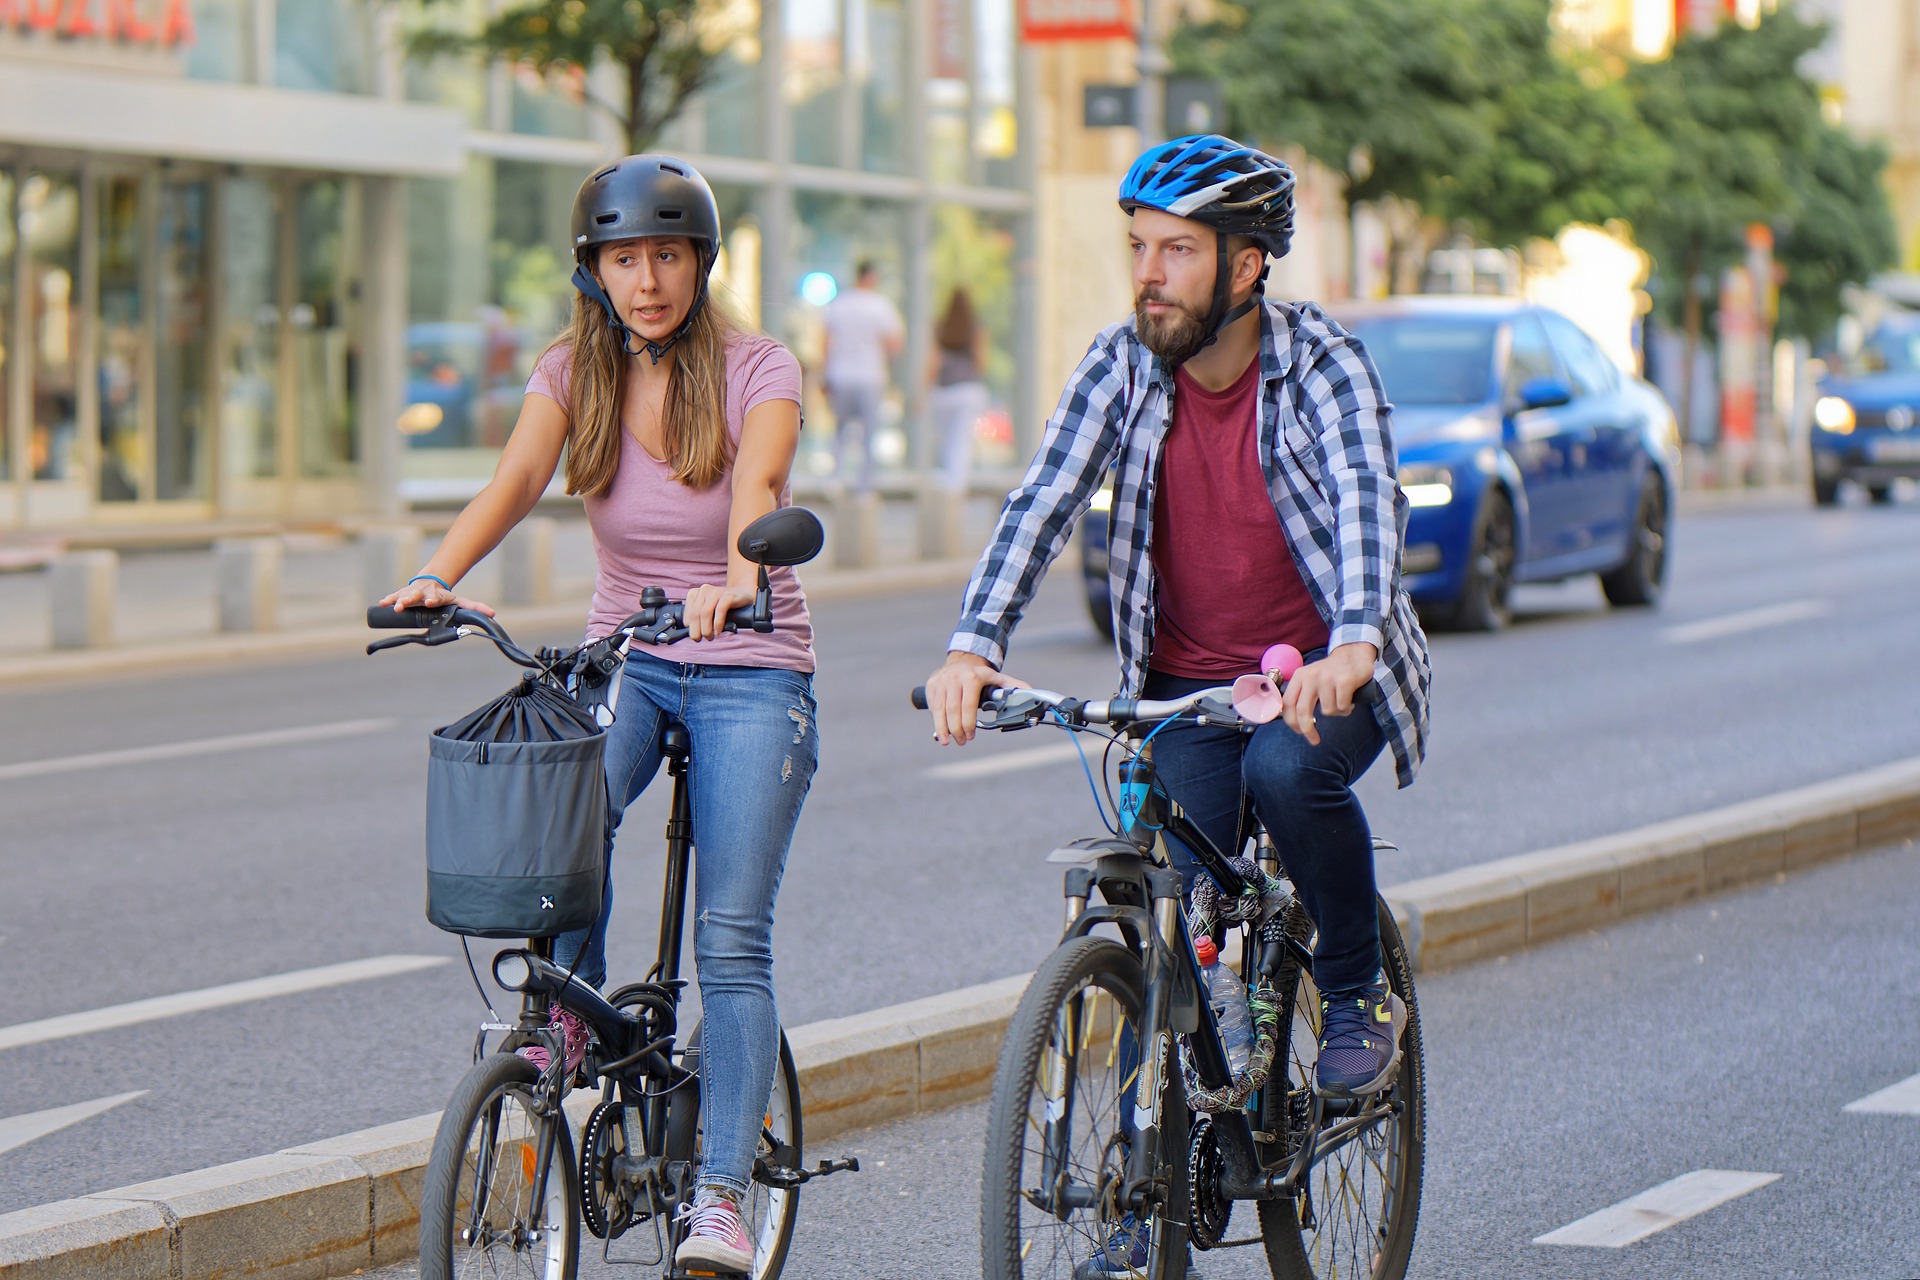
(1426, 486)
(1833, 414)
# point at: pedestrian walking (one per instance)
(957, 373)
(864, 332)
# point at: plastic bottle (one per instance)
(1229, 1000)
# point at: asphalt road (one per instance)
(1783, 657)
(1728, 1035)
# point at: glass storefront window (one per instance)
(222, 30)
(879, 67)
(120, 345)
(974, 251)
(325, 336)
(448, 80)
(321, 44)
(553, 106)
(181, 457)
(250, 273)
(729, 107)
(832, 235)
(50, 230)
(813, 75)
(7, 243)
(996, 134)
(846, 83)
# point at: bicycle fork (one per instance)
(1143, 1171)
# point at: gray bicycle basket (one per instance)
(517, 818)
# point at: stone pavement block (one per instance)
(943, 516)
(855, 530)
(1817, 839)
(526, 561)
(96, 1238)
(1889, 820)
(247, 573)
(1466, 915)
(857, 1078)
(1742, 854)
(394, 1158)
(290, 1217)
(84, 586)
(389, 555)
(1662, 874)
(960, 1045)
(1580, 891)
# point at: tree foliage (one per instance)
(1842, 233)
(667, 48)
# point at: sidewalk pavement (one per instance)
(335, 1207)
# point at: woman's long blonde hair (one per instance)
(699, 446)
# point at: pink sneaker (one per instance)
(716, 1237)
(573, 1039)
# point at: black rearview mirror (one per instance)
(791, 535)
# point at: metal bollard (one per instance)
(247, 577)
(856, 530)
(943, 515)
(526, 561)
(389, 555)
(85, 584)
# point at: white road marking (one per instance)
(1733, 624)
(1901, 1099)
(158, 1007)
(1009, 762)
(18, 1131)
(194, 747)
(1658, 1208)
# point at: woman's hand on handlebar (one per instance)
(953, 695)
(424, 593)
(1328, 685)
(706, 608)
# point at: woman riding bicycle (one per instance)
(678, 431)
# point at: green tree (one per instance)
(1733, 109)
(1567, 144)
(667, 48)
(1842, 233)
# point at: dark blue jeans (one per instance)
(1304, 797)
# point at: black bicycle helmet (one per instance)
(1231, 187)
(644, 195)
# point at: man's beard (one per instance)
(1174, 336)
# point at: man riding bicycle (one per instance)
(1254, 503)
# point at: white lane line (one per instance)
(1008, 762)
(1733, 624)
(195, 747)
(1901, 1099)
(1658, 1208)
(18, 1131)
(158, 1007)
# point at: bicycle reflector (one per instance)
(511, 970)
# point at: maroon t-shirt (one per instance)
(1228, 585)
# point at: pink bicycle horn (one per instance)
(1256, 699)
(1280, 661)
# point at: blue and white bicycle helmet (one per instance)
(1233, 188)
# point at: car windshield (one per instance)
(1891, 350)
(1436, 360)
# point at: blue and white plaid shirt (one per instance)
(1327, 451)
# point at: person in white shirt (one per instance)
(864, 332)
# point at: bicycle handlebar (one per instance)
(661, 623)
(1016, 706)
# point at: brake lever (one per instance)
(393, 642)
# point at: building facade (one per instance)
(255, 260)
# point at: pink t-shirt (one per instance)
(650, 530)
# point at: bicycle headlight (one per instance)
(511, 970)
(1833, 414)
(1426, 485)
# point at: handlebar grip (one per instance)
(386, 618)
(919, 697)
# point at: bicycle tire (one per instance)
(1013, 1228)
(491, 1111)
(1295, 1252)
(768, 1212)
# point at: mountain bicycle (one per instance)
(1118, 1137)
(505, 1193)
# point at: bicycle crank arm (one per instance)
(787, 1179)
(1318, 1144)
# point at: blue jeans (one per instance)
(1304, 797)
(754, 749)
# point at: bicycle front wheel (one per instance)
(1062, 1124)
(1356, 1215)
(478, 1210)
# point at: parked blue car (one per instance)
(1526, 455)
(1864, 421)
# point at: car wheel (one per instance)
(1881, 494)
(1100, 609)
(1482, 603)
(1640, 577)
(1826, 493)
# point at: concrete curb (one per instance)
(340, 640)
(350, 1202)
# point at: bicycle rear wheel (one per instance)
(1061, 1125)
(477, 1215)
(1356, 1215)
(768, 1211)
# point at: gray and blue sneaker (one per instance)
(1359, 1040)
(1124, 1255)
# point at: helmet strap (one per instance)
(1222, 314)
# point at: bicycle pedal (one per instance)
(678, 1273)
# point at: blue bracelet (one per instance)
(427, 577)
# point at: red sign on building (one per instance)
(1076, 20)
(156, 22)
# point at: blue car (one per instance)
(1525, 453)
(1864, 420)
